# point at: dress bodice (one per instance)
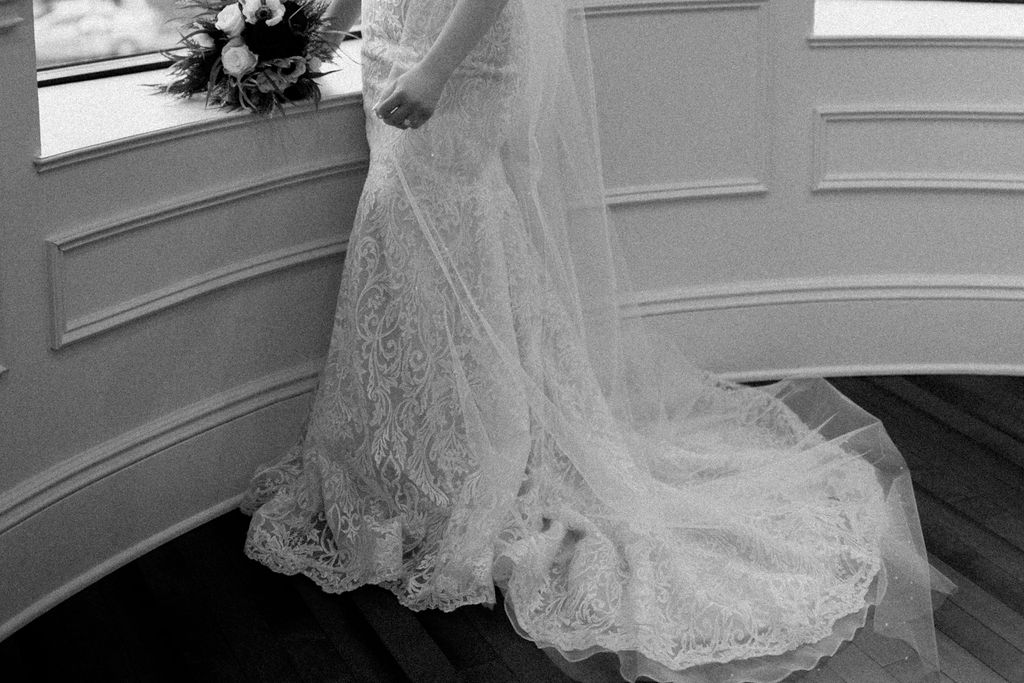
(403, 31)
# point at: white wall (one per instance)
(800, 204)
(917, 18)
(792, 204)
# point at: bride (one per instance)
(492, 415)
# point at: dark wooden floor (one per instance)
(197, 610)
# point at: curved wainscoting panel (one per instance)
(131, 448)
(703, 77)
(865, 325)
(157, 271)
(853, 338)
(890, 338)
(106, 506)
(166, 299)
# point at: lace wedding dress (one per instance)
(488, 416)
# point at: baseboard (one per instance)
(877, 370)
(93, 575)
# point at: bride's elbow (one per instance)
(343, 14)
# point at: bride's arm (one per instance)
(467, 24)
(342, 16)
(413, 96)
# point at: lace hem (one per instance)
(528, 569)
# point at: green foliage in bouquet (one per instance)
(252, 54)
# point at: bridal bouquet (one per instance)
(252, 54)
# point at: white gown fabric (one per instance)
(490, 415)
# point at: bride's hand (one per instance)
(411, 98)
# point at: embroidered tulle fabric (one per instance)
(490, 414)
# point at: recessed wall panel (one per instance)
(904, 147)
(681, 94)
(108, 274)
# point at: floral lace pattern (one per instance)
(459, 437)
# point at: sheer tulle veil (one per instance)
(494, 412)
(660, 404)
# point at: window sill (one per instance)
(926, 19)
(96, 118)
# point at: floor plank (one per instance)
(854, 665)
(225, 583)
(979, 430)
(351, 638)
(522, 657)
(995, 615)
(822, 675)
(404, 637)
(884, 651)
(978, 554)
(998, 401)
(131, 607)
(961, 666)
(457, 637)
(980, 641)
(196, 636)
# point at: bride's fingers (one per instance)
(388, 102)
(398, 115)
(386, 109)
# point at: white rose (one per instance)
(237, 59)
(269, 11)
(230, 20)
(203, 40)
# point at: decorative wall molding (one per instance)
(915, 41)
(825, 290)
(59, 248)
(879, 369)
(81, 470)
(695, 189)
(642, 194)
(617, 7)
(826, 180)
(69, 331)
(159, 137)
(73, 239)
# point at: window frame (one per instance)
(119, 66)
(101, 68)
